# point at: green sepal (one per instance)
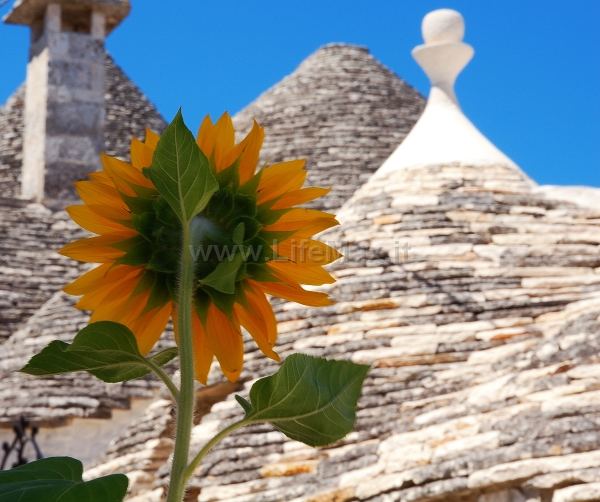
(251, 186)
(144, 284)
(238, 233)
(223, 301)
(222, 206)
(266, 251)
(138, 204)
(245, 205)
(229, 176)
(260, 273)
(251, 227)
(159, 292)
(268, 216)
(164, 261)
(224, 276)
(137, 251)
(165, 214)
(144, 223)
(202, 301)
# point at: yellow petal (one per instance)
(206, 137)
(259, 303)
(141, 154)
(277, 179)
(118, 307)
(101, 177)
(148, 326)
(151, 138)
(124, 175)
(309, 251)
(113, 289)
(87, 281)
(303, 222)
(92, 221)
(256, 315)
(203, 355)
(300, 196)
(224, 338)
(94, 249)
(251, 146)
(296, 294)
(224, 142)
(116, 214)
(94, 193)
(301, 273)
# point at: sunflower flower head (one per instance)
(250, 241)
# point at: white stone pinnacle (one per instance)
(444, 134)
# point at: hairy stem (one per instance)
(185, 402)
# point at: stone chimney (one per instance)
(64, 100)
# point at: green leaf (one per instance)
(105, 349)
(310, 399)
(223, 277)
(137, 251)
(58, 479)
(239, 232)
(244, 403)
(181, 172)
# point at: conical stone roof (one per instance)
(343, 111)
(476, 300)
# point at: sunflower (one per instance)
(251, 241)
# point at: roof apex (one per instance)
(444, 134)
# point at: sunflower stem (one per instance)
(185, 402)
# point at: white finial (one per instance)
(443, 134)
(444, 55)
(443, 26)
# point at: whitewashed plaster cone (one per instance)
(444, 134)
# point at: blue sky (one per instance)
(533, 86)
